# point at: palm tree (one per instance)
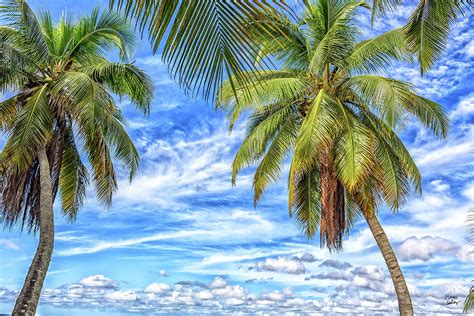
(329, 108)
(427, 29)
(203, 42)
(62, 86)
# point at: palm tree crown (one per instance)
(62, 86)
(332, 109)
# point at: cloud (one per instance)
(331, 275)
(98, 280)
(306, 257)
(427, 247)
(9, 244)
(121, 296)
(464, 109)
(157, 288)
(376, 297)
(330, 263)
(218, 283)
(281, 265)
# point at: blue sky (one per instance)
(181, 239)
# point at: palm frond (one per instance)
(268, 171)
(318, 130)
(18, 15)
(393, 99)
(271, 87)
(263, 126)
(339, 35)
(124, 80)
(100, 33)
(32, 129)
(375, 54)
(203, 40)
(427, 31)
(353, 151)
(73, 178)
(305, 200)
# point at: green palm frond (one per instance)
(338, 37)
(99, 33)
(203, 41)
(380, 7)
(305, 200)
(118, 139)
(8, 111)
(18, 15)
(353, 150)
(272, 87)
(31, 129)
(263, 127)
(394, 99)
(124, 80)
(397, 165)
(317, 130)
(73, 178)
(469, 302)
(268, 171)
(428, 28)
(375, 54)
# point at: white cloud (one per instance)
(464, 109)
(98, 280)
(428, 247)
(468, 191)
(9, 244)
(121, 296)
(282, 265)
(218, 283)
(469, 49)
(231, 291)
(204, 295)
(157, 288)
(440, 185)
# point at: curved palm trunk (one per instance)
(27, 301)
(404, 301)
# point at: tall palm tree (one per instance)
(428, 27)
(203, 41)
(62, 106)
(329, 107)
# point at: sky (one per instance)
(180, 239)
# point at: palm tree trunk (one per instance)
(27, 301)
(404, 300)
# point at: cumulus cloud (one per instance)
(306, 257)
(121, 296)
(185, 297)
(218, 283)
(330, 275)
(281, 265)
(330, 263)
(427, 247)
(157, 288)
(98, 280)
